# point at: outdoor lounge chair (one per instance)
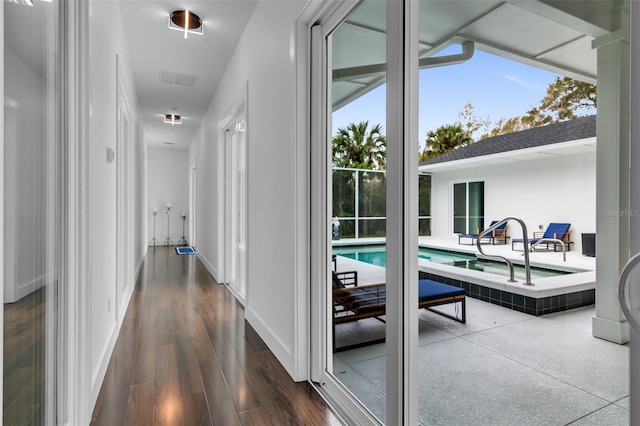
(556, 231)
(497, 235)
(352, 302)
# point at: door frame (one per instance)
(123, 153)
(402, 214)
(237, 113)
(452, 216)
(193, 196)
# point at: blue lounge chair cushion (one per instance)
(493, 222)
(499, 228)
(554, 230)
(558, 229)
(372, 297)
(429, 290)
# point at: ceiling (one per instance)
(174, 74)
(554, 35)
(29, 42)
(156, 53)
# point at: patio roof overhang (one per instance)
(556, 35)
(568, 148)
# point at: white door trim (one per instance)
(227, 130)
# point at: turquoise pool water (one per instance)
(376, 255)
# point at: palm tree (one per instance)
(445, 139)
(357, 147)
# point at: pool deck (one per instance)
(540, 298)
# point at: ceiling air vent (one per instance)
(177, 79)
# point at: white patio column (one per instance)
(612, 184)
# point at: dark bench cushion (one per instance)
(429, 290)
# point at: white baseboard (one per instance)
(26, 289)
(239, 297)
(279, 349)
(212, 270)
(97, 376)
(143, 256)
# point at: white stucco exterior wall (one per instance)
(553, 189)
(264, 65)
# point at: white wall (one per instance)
(106, 43)
(25, 165)
(264, 62)
(168, 180)
(555, 189)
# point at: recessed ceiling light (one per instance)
(172, 119)
(26, 2)
(186, 21)
(22, 2)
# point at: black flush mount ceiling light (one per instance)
(172, 119)
(186, 21)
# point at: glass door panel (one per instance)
(33, 250)
(460, 208)
(358, 205)
(476, 206)
(424, 205)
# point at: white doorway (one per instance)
(235, 137)
(124, 270)
(192, 204)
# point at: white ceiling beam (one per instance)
(559, 46)
(505, 52)
(452, 36)
(593, 18)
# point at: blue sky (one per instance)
(496, 87)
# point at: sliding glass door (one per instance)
(355, 149)
(33, 243)
(468, 207)
(366, 227)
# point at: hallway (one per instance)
(186, 356)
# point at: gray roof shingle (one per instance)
(579, 128)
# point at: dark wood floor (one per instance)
(186, 356)
(24, 349)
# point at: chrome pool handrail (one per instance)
(527, 265)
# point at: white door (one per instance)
(192, 205)
(241, 206)
(124, 272)
(236, 205)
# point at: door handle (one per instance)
(622, 289)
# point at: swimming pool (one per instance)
(376, 255)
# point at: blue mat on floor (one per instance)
(185, 250)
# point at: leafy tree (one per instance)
(565, 97)
(504, 126)
(358, 147)
(471, 123)
(445, 139)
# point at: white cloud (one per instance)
(520, 82)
